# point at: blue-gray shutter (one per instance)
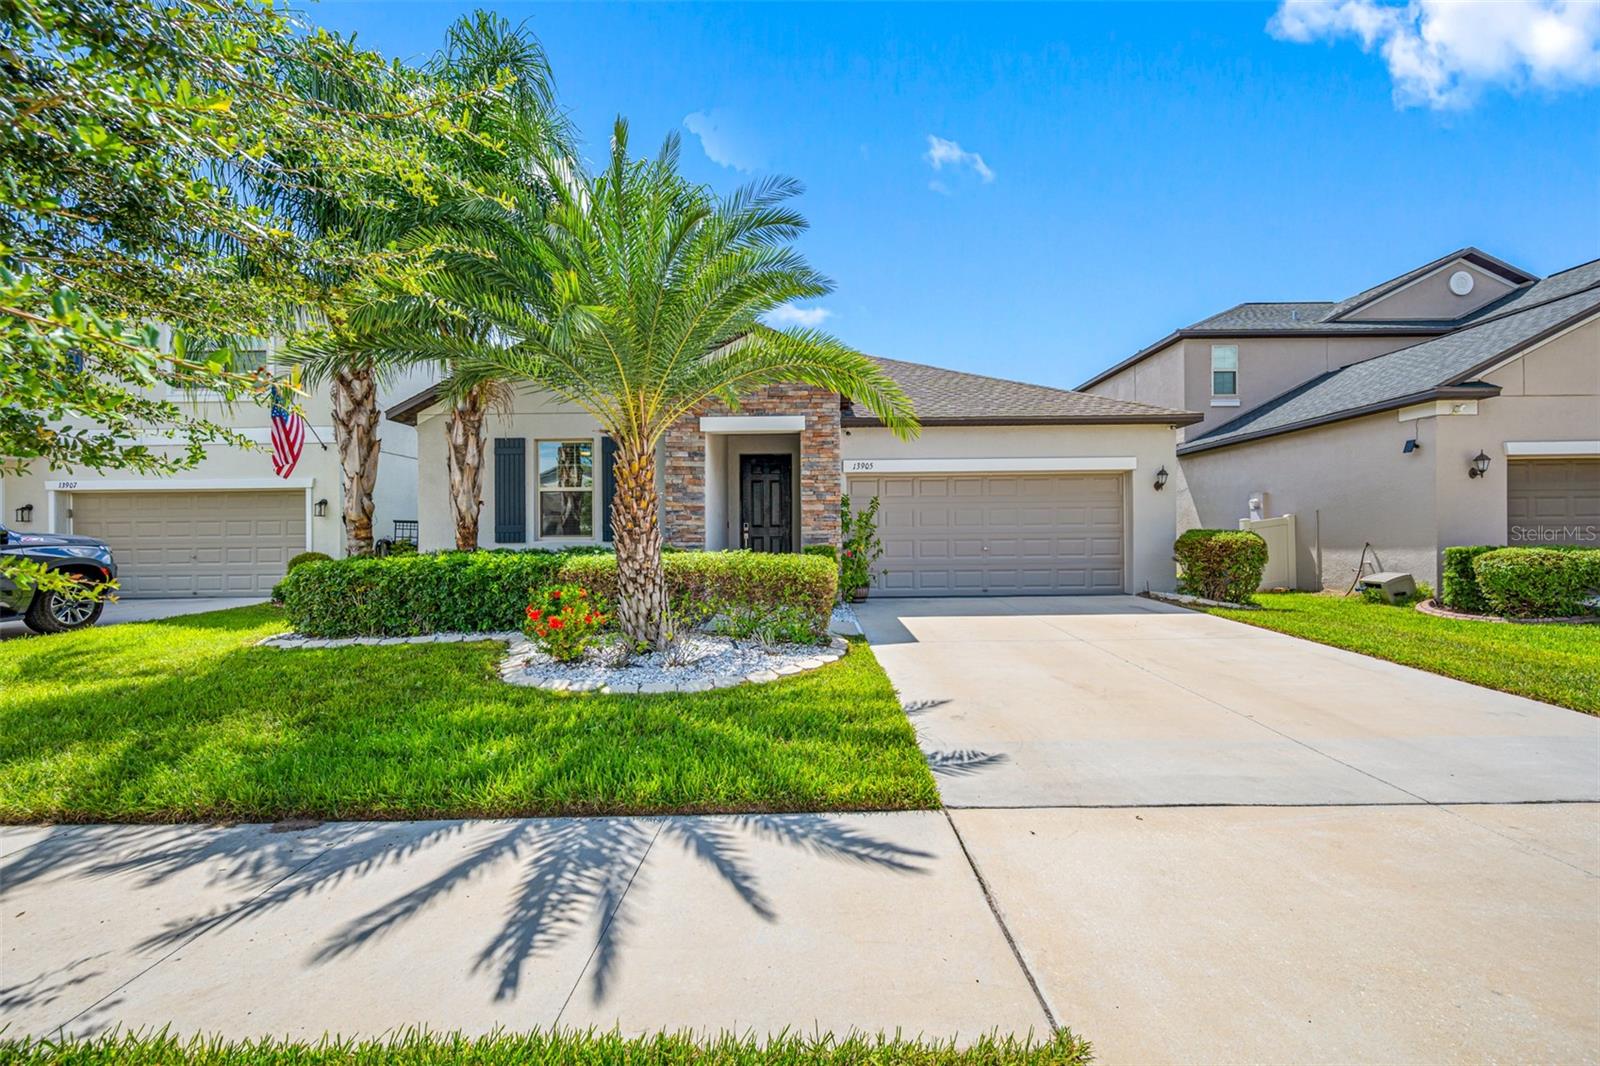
(510, 490)
(608, 484)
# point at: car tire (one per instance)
(51, 612)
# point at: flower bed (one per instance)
(697, 662)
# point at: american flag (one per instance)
(288, 435)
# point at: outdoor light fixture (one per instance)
(1479, 467)
(25, 514)
(320, 508)
(1411, 446)
(1161, 478)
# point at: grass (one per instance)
(577, 1048)
(1557, 664)
(182, 720)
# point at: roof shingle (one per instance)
(955, 397)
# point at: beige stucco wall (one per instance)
(1150, 517)
(1269, 367)
(1552, 393)
(1410, 507)
(1429, 297)
(1157, 379)
(1346, 484)
(315, 477)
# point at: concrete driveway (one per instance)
(145, 611)
(1212, 843)
(1123, 701)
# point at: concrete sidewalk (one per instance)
(761, 922)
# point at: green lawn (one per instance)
(182, 720)
(1555, 663)
(577, 1048)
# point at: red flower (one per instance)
(556, 623)
(534, 614)
(556, 594)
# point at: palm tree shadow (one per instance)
(964, 762)
(570, 874)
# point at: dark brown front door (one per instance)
(765, 499)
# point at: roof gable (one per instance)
(1445, 290)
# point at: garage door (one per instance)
(997, 534)
(195, 543)
(1553, 501)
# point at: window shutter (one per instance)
(510, 490)
(608, 484)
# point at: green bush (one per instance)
(1538, 582)
(1458, 583)
(308, 557)
(1221, 564)
(732, 580)
(406, 595)
(827, 551)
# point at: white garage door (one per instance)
(997, 534)
(195, 543)
(1553, 501)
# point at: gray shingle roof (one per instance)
(954, 397)
(1318, 317)
(1441, 365)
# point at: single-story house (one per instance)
(1010, 489)
(1458, 403)
(229, 525)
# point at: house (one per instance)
(1458, 403)
(1010, 488)
(228, 526)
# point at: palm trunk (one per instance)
(355, 434)
(464, 431)
(636, 532)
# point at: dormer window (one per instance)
(1225, 370)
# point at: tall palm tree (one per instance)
(638, 295)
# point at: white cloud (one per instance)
(1443, 53)
(942, 153)
(725, 141)
(790, 315)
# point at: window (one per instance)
(566, 488)
(1224, 370)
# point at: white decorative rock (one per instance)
(760, 676)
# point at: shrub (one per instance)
(405, 595)
(827, 551)
(860, 547)
(308, 557)
(1221, 564)
(717, 582)
(1458, 583)
(1538, 582)
(564, 620)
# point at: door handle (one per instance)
(744, 535)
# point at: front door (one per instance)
(765, 500)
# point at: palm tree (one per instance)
(638, 295)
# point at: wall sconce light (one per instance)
(320, 508)
(1480, 465)
(24, 514)
(1161, 478)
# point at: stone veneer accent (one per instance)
(684, 480)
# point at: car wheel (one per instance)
(54, 612)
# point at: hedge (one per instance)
(805, 583)
(407, 595)
(1221, 564)
(1458, 584)
(1538, 582)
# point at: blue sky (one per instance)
(1106, 172)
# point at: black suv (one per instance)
(52, 612)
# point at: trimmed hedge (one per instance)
(1538, 582)
(408, 595)
(1221, 564)
(307, 557)
(1458, 584)
(805, 583)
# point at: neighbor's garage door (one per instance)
(997, 534)
(1553, 501)
(195, 543)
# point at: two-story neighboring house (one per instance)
(1458, 403)
(228, 526)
